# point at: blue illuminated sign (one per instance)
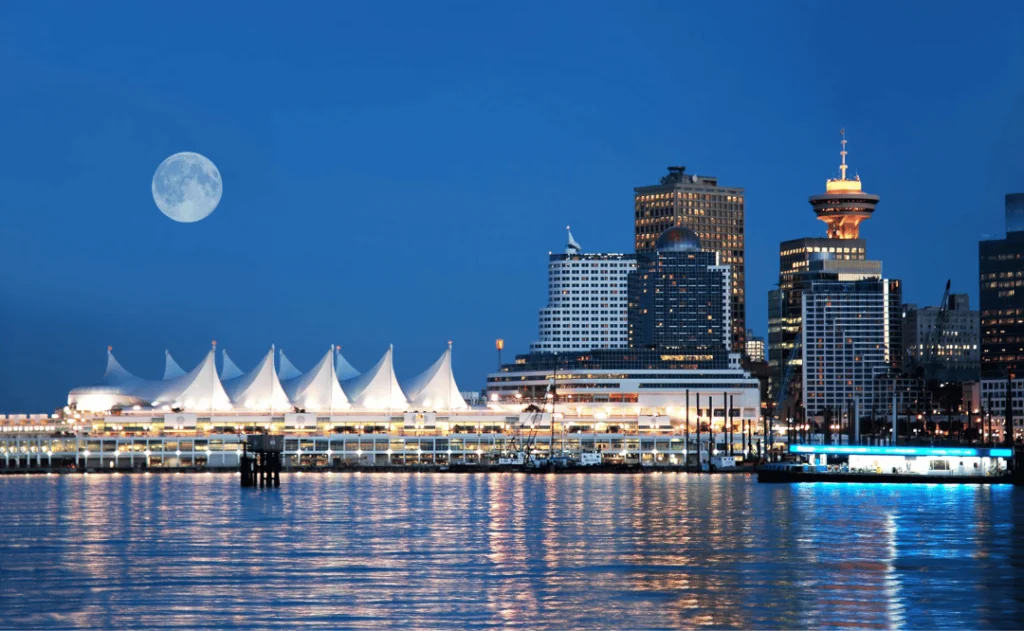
(872, 450)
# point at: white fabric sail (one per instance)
(116, 388)
(435, 388)
(259, 389)
(199, 390)
(318, 389)
(377, 389)
(115, 374)
(342, 368)
(228, 368)
(171, 367)
(286, 369)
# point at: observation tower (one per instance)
(844, 204)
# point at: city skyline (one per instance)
(285, 257)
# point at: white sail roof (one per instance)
(259, 389)
(287, 370)
(171, 367)
(228, 368)
(200, 389)
(377, 389)
(114, 389)
(435, 388)
(342, 368)
(318, 389)
(116, 375)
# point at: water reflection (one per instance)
(428, 551)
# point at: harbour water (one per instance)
(418, 551)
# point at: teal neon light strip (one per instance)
(865, 450)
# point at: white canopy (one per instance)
(171, 367)
(228, 368)
(435, 388)
(259, 389)
(377, 389)
(318, 389)
(198, 390)
(286, 369)
(344, 370)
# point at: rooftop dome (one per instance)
(678, 239)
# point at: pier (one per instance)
(260, 461)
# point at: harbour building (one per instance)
(679, 366)
(586, 301)
(943, 341)
(848, 342)
(840, 255)
(715, 213)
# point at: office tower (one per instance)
(713, 212)
(755, 346)
(1001, 283)
(679, 296)
(586, 301)
(847, 342)
(943, 343)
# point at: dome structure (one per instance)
(678, 239)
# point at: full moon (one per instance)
(187, 187)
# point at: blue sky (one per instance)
(397, 173)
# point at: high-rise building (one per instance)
(1001, 283)
(713, 212)
(587, 299)
(848, 342)
(840, 256)
(679, 296)
(943, 343)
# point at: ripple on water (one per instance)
(501, 550)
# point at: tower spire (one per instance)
(843, 167)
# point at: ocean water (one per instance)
(428, 551)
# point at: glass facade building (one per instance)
(848, 342)
(1001, 290)
(679, 297)
(715, 213)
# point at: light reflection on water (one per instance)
(503, 550)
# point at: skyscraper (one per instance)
(679, 296)
(713, 212)
(839, 256)
(586, 301)
(848, 341)
(1001, 283)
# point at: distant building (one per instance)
(755, 346)
(715, 213)
(1001, 284)
(679, 296)
(586, 301)
(847, 341)
(946, 347)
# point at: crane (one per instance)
(933, 367)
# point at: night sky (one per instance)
(398, 173)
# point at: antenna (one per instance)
(843, 167)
